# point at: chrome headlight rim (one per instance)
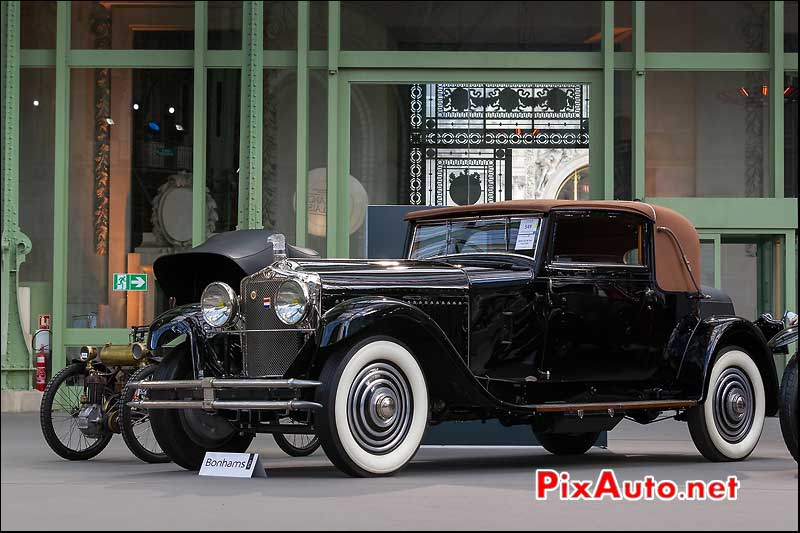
(306, 305)
(232, 301)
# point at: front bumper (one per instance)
(210, 402)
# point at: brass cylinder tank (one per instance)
(122, 354)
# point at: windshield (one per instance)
(503, 234)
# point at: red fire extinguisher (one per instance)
(41, 369)
(41, 350)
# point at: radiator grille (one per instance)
(267, 353)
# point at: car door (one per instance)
(601, 298)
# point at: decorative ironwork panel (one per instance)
(463, 135)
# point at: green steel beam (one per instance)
(746, 214)
(718, 260)
(223, 58)
(607, 139)
(471, 60)
(132, 58)
(343, 170)
(390, 76)
(638, 77)
(623, 60)
(250, 162)
(790, 62)
(334, 248)
(61, 187)
(95, 337)
(16, 361)
(301, 187)
(38, 58)
(708, 61)
(776, 103)
(199, 123)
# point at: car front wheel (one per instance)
(375, 408)
(728, 424)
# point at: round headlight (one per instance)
(219, 304)
(291, 302)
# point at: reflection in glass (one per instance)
(37, 24)
(706, 134)
(222, 145)
(130, 187)
(707, 26)
(791, 91)
(224, 25)
(471, 26)
(133, 25)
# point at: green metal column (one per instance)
(608, 100)
(199, 122)
(638, 101)
(776, 96)
(61, 187)
(250, 179)
(301, 207)
(335, 246)
(16, 362)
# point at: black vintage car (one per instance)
(565, 316)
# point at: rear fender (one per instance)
(711, 335)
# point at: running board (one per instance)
(291, 405)
(612, 406)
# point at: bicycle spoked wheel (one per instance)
(135, 423)
(296, 444)
(58, 416)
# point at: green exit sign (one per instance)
(130, 282)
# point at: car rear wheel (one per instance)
(788, 399)
(186, 435)
(567, 443)
(375, 408)
(728, 424)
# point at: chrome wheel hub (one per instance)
(379, 408)
(734, 405)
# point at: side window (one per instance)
(599, 238)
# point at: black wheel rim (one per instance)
(734, 405)
(380, 408)
(64, 414)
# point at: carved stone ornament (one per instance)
(172, 211)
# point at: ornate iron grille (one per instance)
(462, 135)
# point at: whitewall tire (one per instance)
(728, 424)
(375, 408)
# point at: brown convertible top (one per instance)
(671, 226)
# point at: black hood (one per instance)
(226, 257)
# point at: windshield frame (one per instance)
(507, 218)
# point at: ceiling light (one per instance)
(36, 103)
(178, 127)
(109, 121)
(171, 110)
(136, 107)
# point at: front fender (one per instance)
(714, 333)
(448, 376)
(186, 319)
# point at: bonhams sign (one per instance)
(223, 464)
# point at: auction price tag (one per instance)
(223, 464)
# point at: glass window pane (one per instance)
(432, 25)
(130, 188)
(749, 275)
(37, 24)
(707, 26)
(598, 239)
(706, 134)
(36, 152)
(623, 26)
(222, 146)
(790, 170)
(133, 25)
(280, 25)
(790, 26)
(224, 25)
(707, 262)
(623, 131)
(319, 25)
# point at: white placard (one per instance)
(222, 464)
(526, 235)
